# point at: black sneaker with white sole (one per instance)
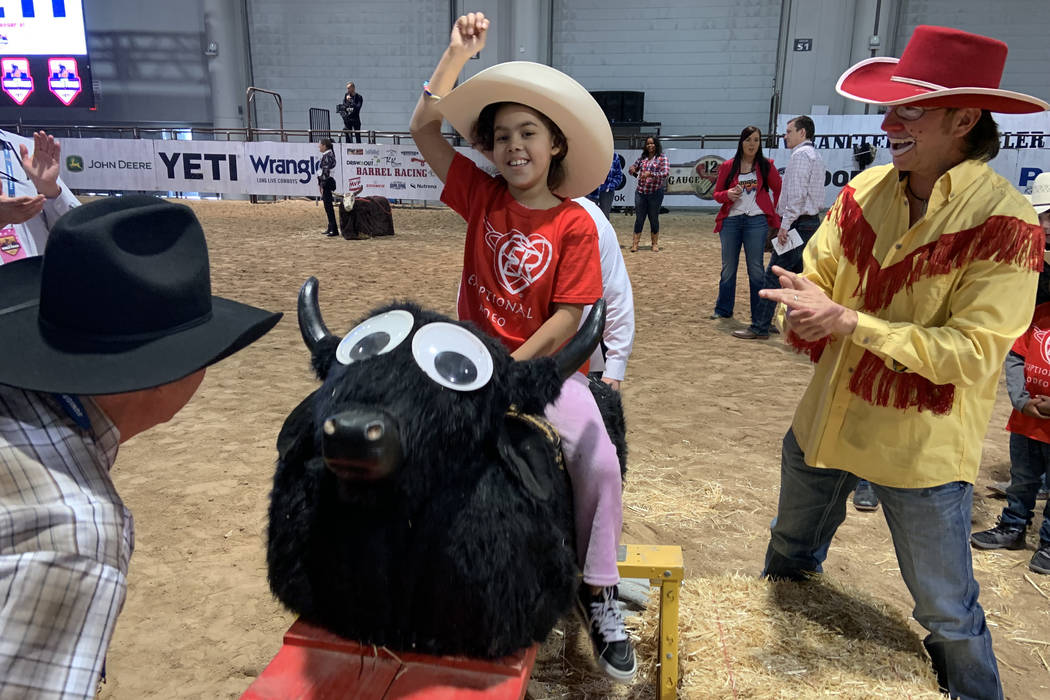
(1041, 559)
(613, 650)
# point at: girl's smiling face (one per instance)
(522, 148)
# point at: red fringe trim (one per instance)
(1001, 239)
(813, 348)
(877, 384)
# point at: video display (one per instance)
(43, 54)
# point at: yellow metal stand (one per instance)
(662, 565)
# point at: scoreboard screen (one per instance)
(43, 54)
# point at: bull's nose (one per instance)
(361, 444)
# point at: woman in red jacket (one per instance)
(748, 187)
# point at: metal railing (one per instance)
(374, 137)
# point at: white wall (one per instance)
(308, 51)
(1023, 24)
(705, 67)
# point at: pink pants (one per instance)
(590, 458)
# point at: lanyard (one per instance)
(74, 409)
(9, 169)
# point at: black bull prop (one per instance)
(416, 502)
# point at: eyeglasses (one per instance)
(910, 113)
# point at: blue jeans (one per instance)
(790, 260)
(749, 232)
(931, 535)
(605, 201)
(1029, 462)
(648, 205)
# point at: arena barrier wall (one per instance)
(397, 171)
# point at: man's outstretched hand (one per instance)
(811, 314)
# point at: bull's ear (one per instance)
(323, 355)
(296, 436)
(535, 383)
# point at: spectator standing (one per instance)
(606, 191)
(801, 199)
(1027, 368)
(748, 187)
(913, 289)
(652, 170)
(326, 183)
(350, 109)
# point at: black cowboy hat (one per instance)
(120, 301)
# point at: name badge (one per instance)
(11, 247)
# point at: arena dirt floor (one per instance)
(705, 414)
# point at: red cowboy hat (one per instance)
(940, 67)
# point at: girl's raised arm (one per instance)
(468, 37)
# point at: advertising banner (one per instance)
(289, 169)
(398, 171)
(200, 166)
(108, 164)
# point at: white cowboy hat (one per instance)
(1040, 197)
(555, 95)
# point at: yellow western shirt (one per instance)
(905, 400)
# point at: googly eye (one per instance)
(377, 335)
(452, 356)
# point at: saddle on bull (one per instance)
(364, 217)
(419, 500)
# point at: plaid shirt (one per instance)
(612, 180)
(803, 189)
(65, 542)
(658, 168)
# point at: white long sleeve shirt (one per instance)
(618, 337)
(803, 189)
(33, 233)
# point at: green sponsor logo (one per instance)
(75, 164)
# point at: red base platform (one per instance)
(315, 664)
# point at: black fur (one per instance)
(370, 217)
(460, 551)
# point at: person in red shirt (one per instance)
(748, 188)
(530, 264)
(1027, 370)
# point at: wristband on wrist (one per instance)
(427, 92)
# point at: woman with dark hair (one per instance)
(652, 170)
(748, 187)
(326, 183)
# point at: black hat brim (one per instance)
(32, 362)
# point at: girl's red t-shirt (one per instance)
(1034, 347)
(519, 262)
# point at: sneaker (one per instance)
(864, 497)
(1000, 537)
(613, 650)
(1041, 559)
(718, 317)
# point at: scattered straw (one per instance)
(1022, 640)
(744, 637)
(1036, 587)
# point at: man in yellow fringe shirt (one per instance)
(913, 290)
